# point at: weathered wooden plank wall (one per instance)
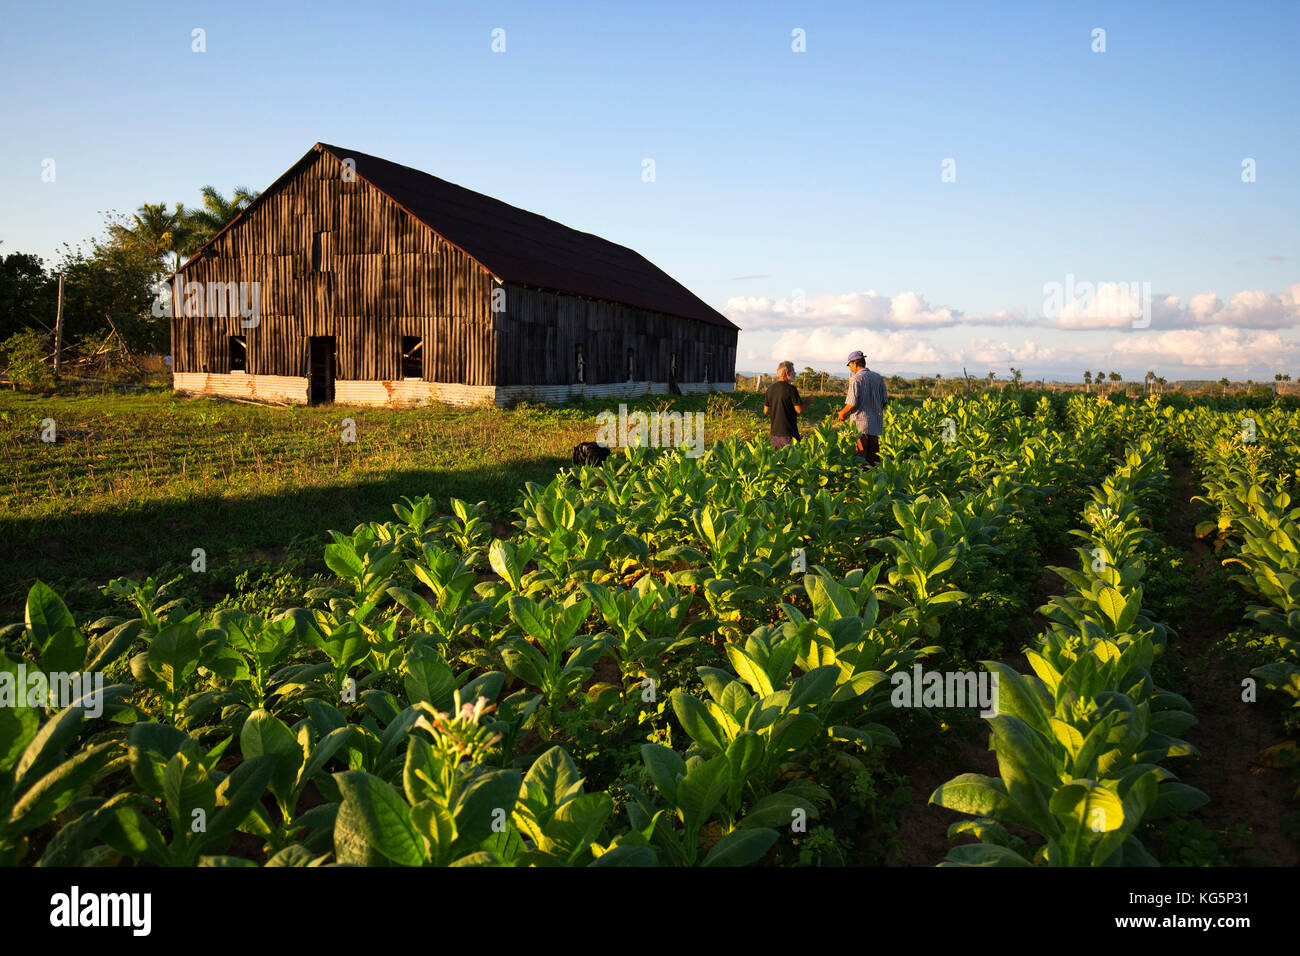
(539, 331)
(339, 258)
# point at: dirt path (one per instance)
(1251, 803)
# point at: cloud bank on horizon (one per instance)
(1124, 326)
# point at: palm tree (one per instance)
(1015, 376)
(216, 214)
(1225, 383)
(155, 231)
(1146, 382)
(1087, 381)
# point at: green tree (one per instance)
(28, 295)
(113, 286)
(216, 213)
(155, 232)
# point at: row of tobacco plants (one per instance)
(669, 661)
(1081, 742)
(1250, 468)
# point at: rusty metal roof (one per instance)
(528, 249)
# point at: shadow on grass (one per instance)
(98, 546)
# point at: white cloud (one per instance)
(1108, 305)
(908, 310)
(1204, 337)
(1074, 307)
(833, 346)
(1261, 310)
(1115, 305)
(987, 352)
(1176, 353)
(1203, 307)
(1221, 348)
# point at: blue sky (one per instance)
(802, 193)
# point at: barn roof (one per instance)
(525, 248)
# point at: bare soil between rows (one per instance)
(1251, 802)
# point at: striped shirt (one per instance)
(868, 396)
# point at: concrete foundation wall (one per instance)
(412, 393)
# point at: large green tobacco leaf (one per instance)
(577, 824)
(187, 789)
(666, 768)
(264, 733)
(238, 793)
(779, 809)
(749, 670)
(626, 856)
(741, 847)
(344, 561)
(701, 791)
(428, 678)
(984, 854)
(149, 748)
(699, 723)
(557, 776)
(980, 796)
(174, 655)
(484, 807)
(434, 823)
(52, 792)
(47, 616)
(374, 819)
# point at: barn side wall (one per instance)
(336, 257)
(538, 334)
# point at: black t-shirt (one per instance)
(781, 398)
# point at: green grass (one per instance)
(146, 477)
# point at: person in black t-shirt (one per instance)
(783, 405)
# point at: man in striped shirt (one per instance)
(865, 404)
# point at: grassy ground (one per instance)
(137, 481)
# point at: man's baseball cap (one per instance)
(855, 357)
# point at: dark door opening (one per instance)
(320, 369)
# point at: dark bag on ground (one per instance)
(589, 453)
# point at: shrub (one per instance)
(26, 353)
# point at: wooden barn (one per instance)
(355, 280)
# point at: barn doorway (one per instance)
(320, 369)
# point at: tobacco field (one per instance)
(675, 661)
